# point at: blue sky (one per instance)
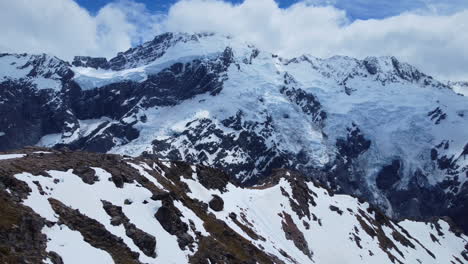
(362, 9)
(154, 5)
(356, 9)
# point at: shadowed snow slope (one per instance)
(377, 128)
(76, 207)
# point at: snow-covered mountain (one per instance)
(75, 207)
(459, 87)
(377, 128)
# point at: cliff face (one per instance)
(78, 207)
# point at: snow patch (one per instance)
(67, 243)
(11, 156)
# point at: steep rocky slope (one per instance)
(377, 128)
(77, 207)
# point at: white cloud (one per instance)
(62, 28)
(386, 8)
(145, 25)
(435, 43)
(433, 40)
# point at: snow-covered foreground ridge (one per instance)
(74, 207)
(377, 128)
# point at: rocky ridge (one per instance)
(76, 207)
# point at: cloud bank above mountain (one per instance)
(431, 38)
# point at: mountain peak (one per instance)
(43, 71)
(151, 51)
(390, 64)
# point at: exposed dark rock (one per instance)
(306, 101)
(87, 174)
(216, 203)
(336, 209)
(354, 144)
(169, 217)
(28, 114)
(245, 228)
(212, 252)
(144, 241)
(161, 196)
(388, 175)
(21, 238)
(94, 233)
(437, 115)
(371, 64)
(412, 75)
(212, 178)
(86, 61)
(293, 233)
(55, 258)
